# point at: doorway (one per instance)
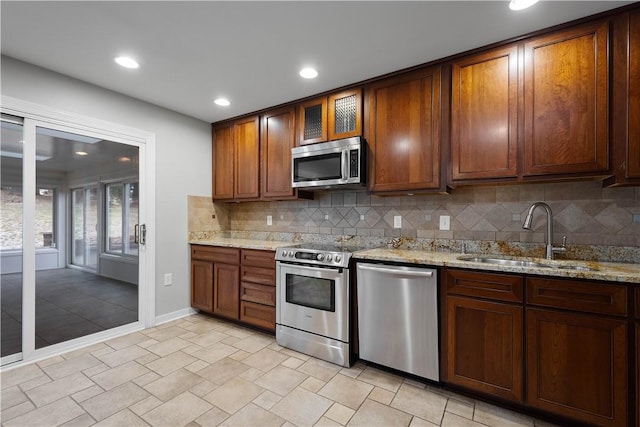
(73, 270)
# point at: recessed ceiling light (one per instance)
(521, 4)
(125, 61)
(308, 73)
(223, 102)
(82, 153)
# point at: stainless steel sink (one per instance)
(513, 262)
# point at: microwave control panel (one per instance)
(353, 164)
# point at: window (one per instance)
(11, 218)
(121, 218)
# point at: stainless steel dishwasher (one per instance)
(398, 318)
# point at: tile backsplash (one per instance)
(589, 215)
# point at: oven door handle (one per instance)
(309, 267)
(396, 271)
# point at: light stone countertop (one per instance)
(266, 245)
(609, 271)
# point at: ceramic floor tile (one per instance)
(373, 413)
(419, 422)
(87, 393)
(381, 379)
(340, 413)
(327, 422)
(496, 416)
(212, 418)
(123, 418)
(292, 362)
(222, 371)
(178, 411)
(463, 409)
(169, 346)
(57, 389)
(265, 359)
(215, 352)
(147, 378)
(16, 411)
(233, 395)
(84, 420)
(301, 407)
(346, 390)
(253, 415)
(108, 403)
(453, 420)
(173, 384)
(319, 369)
(163, 334)
(120, 357)
(253, 344)
(381, 395)
(422, 403)
(281, 380)
(312, 384)
(35, 382)
(126, 340)
(56, 413)
(267, 399)
(119, 375)
(145, 405)
(12, 396)
(20, 375)
(172, 362)
(206, 336)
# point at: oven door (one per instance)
(313, 299)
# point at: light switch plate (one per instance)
(269, 220)
(168, 279)
(445, 222)
(397, 221)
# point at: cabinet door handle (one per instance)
(396, 271)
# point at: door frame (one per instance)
(44, 116)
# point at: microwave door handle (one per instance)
(345, 164)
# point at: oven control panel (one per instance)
(312, 257)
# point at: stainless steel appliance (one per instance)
(312, 301)
(398, 317)
(329, 164)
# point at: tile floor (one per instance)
(199, 371)
(69, 304)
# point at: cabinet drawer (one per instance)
(258, 315)
(590, 297)
(256, 258)
(260, 294)
(264, 276)
(215, 254)
(501, 287)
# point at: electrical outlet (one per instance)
(168, 279)
(269, 220)
(397, 221)
(445, 222)
(361, 217)
(326, 216)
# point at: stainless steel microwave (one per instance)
(329, 164)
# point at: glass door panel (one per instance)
(11, 210)
(81, 290)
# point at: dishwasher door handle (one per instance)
(396, 271)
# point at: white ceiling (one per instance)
(251, 52)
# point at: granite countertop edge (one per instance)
(607, 271)
(267, 245)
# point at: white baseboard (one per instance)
(175, 315)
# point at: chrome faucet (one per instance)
(527, 226)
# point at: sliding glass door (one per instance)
(68, 236)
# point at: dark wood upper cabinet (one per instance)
(236, 160)
(328, 118)
(247, 159)
(277, 136)
(626, 99)
(404, 132)
(566, 78)
(223, 163)
(484, 115)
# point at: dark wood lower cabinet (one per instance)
(237, 284)
(570, 348)
(485, 346)
(576, 366)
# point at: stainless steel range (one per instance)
(312, 294)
